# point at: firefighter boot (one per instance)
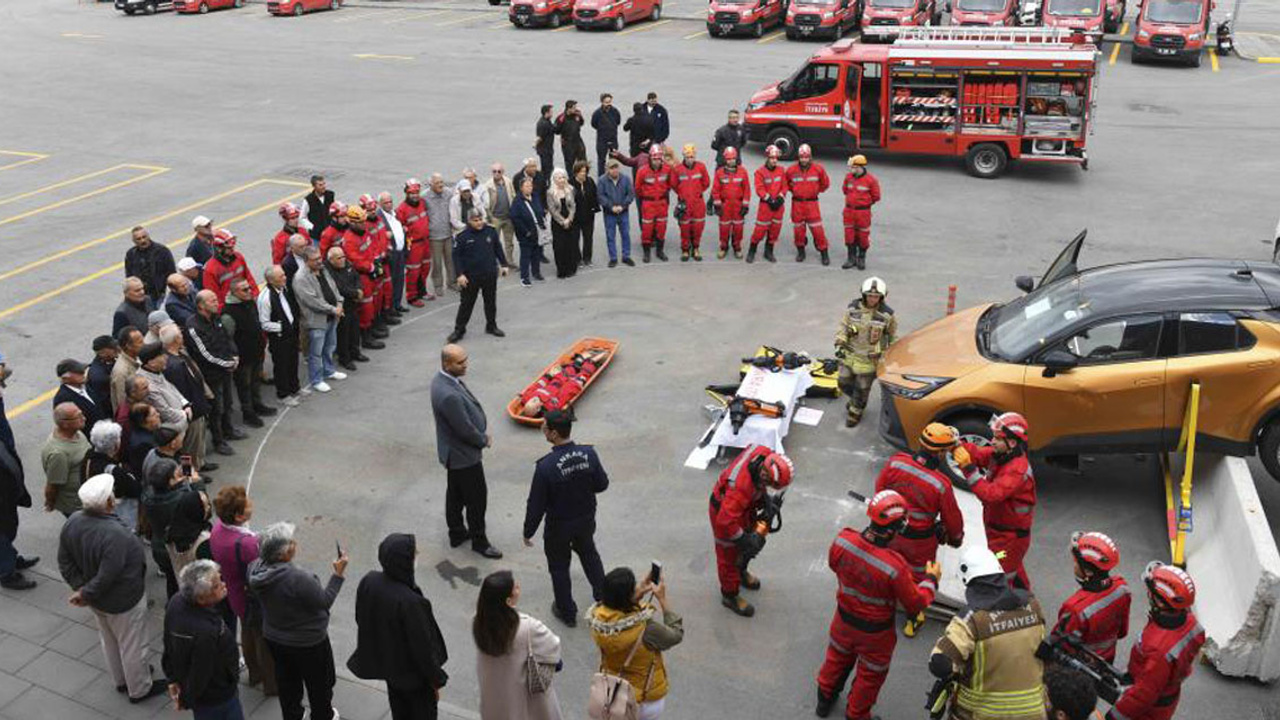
(913, 625)
(697, 255)
(751, 252)
(862, 258)
(750, 582)
(852, 417)
(825, 703)
(800, 253)
(369, 342)
(738, 605)
(852, 262)
(684, 255)
(662, 255)
(768, 253)
(646, 253)
(720, 255)
(826, 257)
(737, 254)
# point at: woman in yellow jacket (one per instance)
(619, 620)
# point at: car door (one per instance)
(1065, 265)
(1112, 400)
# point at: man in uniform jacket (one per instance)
(605, 120)
(478, 259)
(545, 143)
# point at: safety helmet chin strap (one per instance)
(1094, 579)
(882, 535)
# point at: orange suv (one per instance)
(1102, 360)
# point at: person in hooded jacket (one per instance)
(397, 638)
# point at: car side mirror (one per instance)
(1058, 361)
(1025, 283)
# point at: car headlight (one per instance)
(828, 15)
(540, 6)
(1144, 34)
(606, 8)
(929, 382)
(1193, 37)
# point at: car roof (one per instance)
(1180, 285)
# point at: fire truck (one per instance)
(1172, 30)
(540, 13)
(1084, 16)
(988, 95)
(754, 17)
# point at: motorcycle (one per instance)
(1226, 42)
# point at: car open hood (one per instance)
(946, 348)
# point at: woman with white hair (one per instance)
(105, 456)
(564, 224)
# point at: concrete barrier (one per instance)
(1232, 557)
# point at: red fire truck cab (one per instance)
(204, 6)
(1172, 30)
(989, 95)
(1083, 16)
(882, 18)
(753, 17)
(823, 18)
(614, 14)
(989, 13)
(540, 13)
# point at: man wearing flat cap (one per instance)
(72, 373)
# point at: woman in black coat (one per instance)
(397, 638)
(586, 205)
(528, 218)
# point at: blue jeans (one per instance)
(320, 353)
(397, 277)
(229, 710)
(622, 224)
(530, 261)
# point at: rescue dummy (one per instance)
(557, 389)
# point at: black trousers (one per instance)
(487, 286)
(466, 492)
(546, 158)
(284, 363)
(564, 245)
(559, 539)
(223, 389)
(587, 226)
(415, 703)
(349, 332)
(248, 380)
(304, 667)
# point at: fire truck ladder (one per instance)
(985, 35)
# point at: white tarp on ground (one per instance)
(1232, 557)
(951, 587)
(784, 386)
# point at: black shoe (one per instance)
(566, 618)
(27, 562)
(862, 258)
(455, 336)
(405, 311)
(158, 687)
(647, 249)
(825, 703)
(489, 551)
(349, 366)
(660, 252)
(235, 433)
(768, 254)
(391, 320)
(122, 689)
(826, 257)
(539, 278)
(253, 421)
(628, 262)
(17, 581)
(378, 333)
(264, 410)
(209, 467)
(738, 605)
(495, 331)
(613, 263)
(852, 262)
(223, 448)
(751, 253)
(360, 357)
(456, 541)
(800, 254)
(369, 342)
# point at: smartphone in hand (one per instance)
(338, 546)
(186, 465)
(655, 572)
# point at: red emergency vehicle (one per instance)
(297, 7)
(614, 14)
(822, 18)
(1084, 16)
(727, 17)
(540, 13)
(882, 18)
(1172, 29)
(204, 6)
(983, 12)
(989, 95)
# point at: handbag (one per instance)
(538, 674)
(611, 697)
(252, 606)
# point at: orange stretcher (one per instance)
(582, 345)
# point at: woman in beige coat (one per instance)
(564, 224)
(505, 638)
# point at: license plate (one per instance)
(806, 30)
(1164, 51)
(726, 27)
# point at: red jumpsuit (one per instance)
(860, 193)
(873, 580)
(418, 265)
(1097, 618)
(1161, 660)
(929, 495)
(653, 188)
(805, 184)
(735, 500)
(381, 245)
(559, 390)
(332, 235)
(280, 243)
(732, 190)
(770, 184)
(689, 184)
(218, 276)
(358, 245)
(1008, 496)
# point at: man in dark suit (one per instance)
(72, 374)
(461, 437)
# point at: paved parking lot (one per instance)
(109, 121)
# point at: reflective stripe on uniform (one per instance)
(1011, 703)
(917, 472)
(1105, 601)
(1022, 509)
(838, 647)
(868, 558)
(847, 590)
(1178, 647)
(873, 667)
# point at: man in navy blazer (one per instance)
(461, 437)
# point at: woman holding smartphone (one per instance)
(632, 639)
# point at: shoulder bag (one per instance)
(538, 674)
(612, 697)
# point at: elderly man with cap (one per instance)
(105, 349)
(200, 249)
(477, 254)
(105, 565)
(320, 309)
(164, 396)
(496, 195)
(438, 198)
(180, 303)
(62, 459)
(156, 319)
(72, 390)
(279, 320)
(216, 355)
(193, 271)
(134, 307)
(150, 262)
(463, 201)
(126, 365)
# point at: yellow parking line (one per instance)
(1115, 52)
(1124, 29)
(68, 181)
(358, 16)
(36, 401)
(151, 221)
(30, 158)
(570, 26)
(84, 196)
(698, 34)
(771, 38)
(470, 17)
(1213, 59)
(1269, 60)
(642, 28)
(418, 16)
(7, 312)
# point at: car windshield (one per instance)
(1177, 12)
(892, 3)
(983, 6)
(1075, 7)
(1025, 324)
(814, 2)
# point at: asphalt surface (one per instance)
(231, 112)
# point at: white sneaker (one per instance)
(305, 391)
(323, 387)
(291, 401)
(337, 375)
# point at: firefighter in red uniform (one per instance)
(873, 579)
(738, 501)
(357, 243)
(861, 191)
(382, 276)
(806, 180)
(280, 243)
(933, 516)
(226, 266)
(653, 185)
(690, 180)
(731, 194)
(771, 188)
(332, 235)
(1097, 615)
(1167, 650)
(1007, 490)
(412, 214)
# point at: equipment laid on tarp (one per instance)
(757, 411)
(825, 372)
(564, 381)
